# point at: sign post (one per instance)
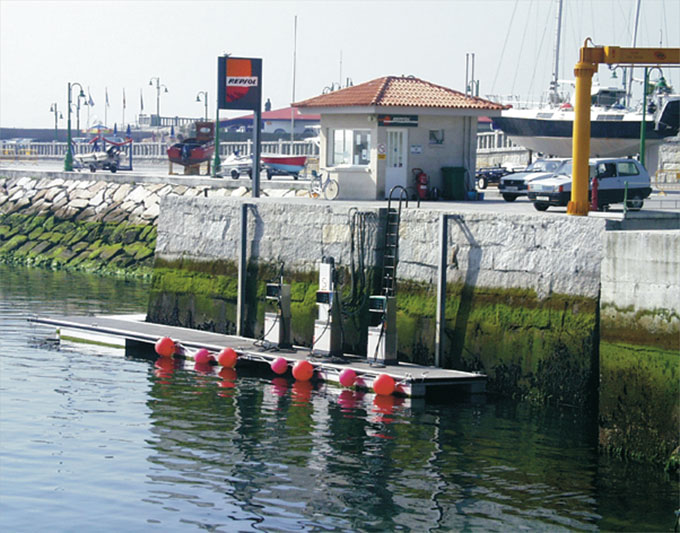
(239, 82)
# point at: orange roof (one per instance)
(399, 91)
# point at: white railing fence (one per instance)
(495, 141)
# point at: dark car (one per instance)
(487, 175)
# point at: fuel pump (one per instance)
(382, 330)
(277, 319)
(328, 326)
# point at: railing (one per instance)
(151, 150)
(495, 141)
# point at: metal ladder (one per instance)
(391, 246)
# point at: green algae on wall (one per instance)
(50, 242)
(529, 348)
(639, 409)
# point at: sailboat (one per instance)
(614, 127)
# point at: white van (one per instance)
(617, 178)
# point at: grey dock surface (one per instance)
(125, 331)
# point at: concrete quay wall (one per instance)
(641, 287)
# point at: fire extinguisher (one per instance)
(421, 183)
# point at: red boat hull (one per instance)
(190, 153)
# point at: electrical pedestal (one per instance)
(328, 327)
(277, 323)
(382, 330)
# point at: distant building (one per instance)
(277, 121)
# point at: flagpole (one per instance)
(123, 121)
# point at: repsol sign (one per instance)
(239, 83)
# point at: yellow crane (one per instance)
(589, 60)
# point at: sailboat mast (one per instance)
(292, 110)
(633, 43)
(554, 83)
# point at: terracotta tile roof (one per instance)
(399, 91)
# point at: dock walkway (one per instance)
(131, 331)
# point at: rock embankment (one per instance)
(83, 224)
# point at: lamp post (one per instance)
(205, 99)
(158, 97)
(68, 160)
(53, 109)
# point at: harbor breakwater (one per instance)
(524, 294)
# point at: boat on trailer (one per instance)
(195, 150)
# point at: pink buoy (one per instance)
(383, 385)
(303, 371)
(227, 358)
(202, 357)
(348, 377)
(165, 347)
(279, 365)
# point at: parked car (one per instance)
(487, 175)
(515, 185)
(617, 178)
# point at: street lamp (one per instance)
(77, 106)
(158, 96)
(68, 160)
(205, 99)
(53, 109)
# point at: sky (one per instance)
(111, 47)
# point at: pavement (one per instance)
(665, 197)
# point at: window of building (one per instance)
(349, 147)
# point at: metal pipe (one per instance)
(242, 270)
(441, 288)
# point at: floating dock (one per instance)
(132, 333)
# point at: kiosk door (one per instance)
(397, 163)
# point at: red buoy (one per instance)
(384, 385)
(303, 371)
(348, 377)
(202, 357)
(227, 358)
(279, 365)
(165, 347)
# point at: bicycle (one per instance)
(328, 187)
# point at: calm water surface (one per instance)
(93, 441)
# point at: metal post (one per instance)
(242, 270)
(643, 124)
(441, 288)
(257, 124)
(68, 160)
(581, 139)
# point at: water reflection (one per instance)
(160, 443)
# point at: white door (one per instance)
(396, 172)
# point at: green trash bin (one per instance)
(453, 179)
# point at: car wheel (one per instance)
(635, 204)
(269, 174)
(509, 197)
(113, 169)
(481, 183)
(93, 168)
(235, 174)
(541, 206)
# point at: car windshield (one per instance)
(566, 170)
(543, 165)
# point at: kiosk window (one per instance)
(350, 147)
